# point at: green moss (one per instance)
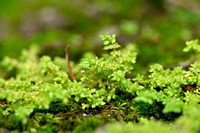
(42, 95)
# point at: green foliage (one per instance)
(38, 95)
(41, 95)
(192, 45)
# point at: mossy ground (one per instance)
(142, 82)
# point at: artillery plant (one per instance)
(39, 95)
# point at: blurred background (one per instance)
(158, 28)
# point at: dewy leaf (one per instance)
(103, 103)
(106, 42)
(108, 98)
(77, 98)
(82, 95)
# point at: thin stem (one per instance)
(68, 64)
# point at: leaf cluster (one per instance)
(41, 94)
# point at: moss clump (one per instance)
(41, 95)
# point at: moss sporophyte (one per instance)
(41, 94)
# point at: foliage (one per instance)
(53, 24)
(40, 95)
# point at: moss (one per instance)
(42, 94)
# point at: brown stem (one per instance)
(68, 64)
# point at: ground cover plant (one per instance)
(98, 94)
(58, 75)
(159, 26)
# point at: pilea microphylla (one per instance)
(42, 94)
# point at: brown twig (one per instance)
(68, 64)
